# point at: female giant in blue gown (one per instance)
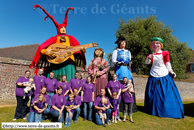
(161, 96)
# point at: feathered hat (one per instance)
(58, 26)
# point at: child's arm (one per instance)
(36, 108)
(105, 107)
(111, 105)
(45, 106)
(33, 104)
(67, 108)
(118, 107)
(108, 107)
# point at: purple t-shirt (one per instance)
(77, 100)
(58, 101)
(71, 104)
(100, 105)
(114, 103)
(20, 89)
(65, 87)
(98, 100)
(50, 84)
(40, 105)
(83, 81)
(75, 83)
(38, 81)
(126, 96)
(88, 89)
(46, 99)
(114, 87)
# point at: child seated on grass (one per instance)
(102, 114)
(69, 108)
(40, 104)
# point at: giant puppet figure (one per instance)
(68, 67)
(121, 57)
(97, 69)
(161, 96)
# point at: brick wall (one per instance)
(12, 69)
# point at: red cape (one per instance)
(37, 57)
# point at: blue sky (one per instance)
(92, 21)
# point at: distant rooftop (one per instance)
(25, 52)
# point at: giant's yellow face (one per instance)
(63, 30)
(98, 53)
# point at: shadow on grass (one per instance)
(188, 109)
(140, 108)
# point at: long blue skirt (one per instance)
(162, 98)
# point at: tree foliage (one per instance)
(139, 31)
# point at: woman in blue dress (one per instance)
(121, 57)
(161, 96)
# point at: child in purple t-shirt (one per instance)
(28, 89)
(102, 114)
(115, 106)
(69, 108)
(40, 104)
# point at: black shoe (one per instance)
(104, 125)
(75, 122)
(132, 122)
(84, 119)
(90, 120)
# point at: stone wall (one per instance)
(12, 69)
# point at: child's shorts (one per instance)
(114, 113)
(102, 115)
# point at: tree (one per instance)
(139, 31)
(110, 64)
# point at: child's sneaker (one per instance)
(104, 125)
(115, 121)
(24, 97)
(118, 119)
(29, 97)
(112, 121)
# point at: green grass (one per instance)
(141, 119)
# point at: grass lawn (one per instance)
(141, 119)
